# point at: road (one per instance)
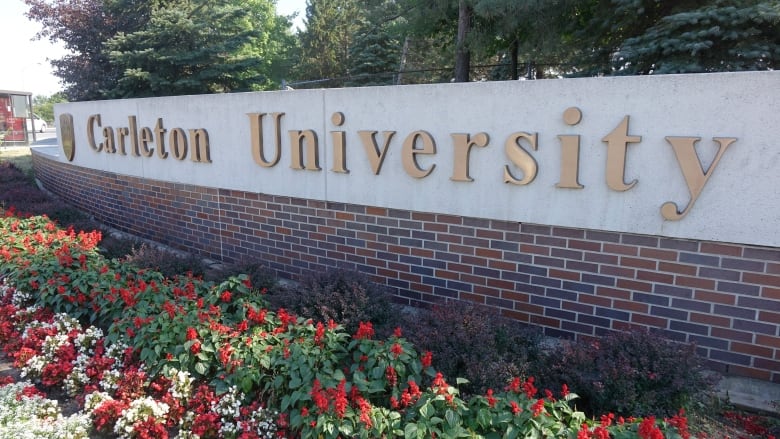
(48, 137)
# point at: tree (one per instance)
(720, 36)
(83, 26)
(44, 105)
(606, 37)
(205, 47)
(331, 26)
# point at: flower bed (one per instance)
(148, 356)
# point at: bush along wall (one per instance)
(149, 356)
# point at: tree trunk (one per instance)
(513, 49)
(463, 56)
(402, 67)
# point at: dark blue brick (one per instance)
(559, 314)
(545, 301)
(692, 305)
(598, 279)
(577, 286)
(690, 328)
(435, 263)
(668, 290)
(577, 327)
(709, 342)
(504, 245)
(516, 277)
(595, 321)
(487, 272)
(460, 286)
(613, 314)
(411, 260)
(425, 271)
(435, 281)
(671, 313)
(530, 289)
(651, 299)
(699, 259)
(530, 269)
(561, 294)
(546, 281)
(729, 357)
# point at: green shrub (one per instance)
(347, 297)
(261, 277)
(167, 262)
(628, 373)
(476, 343)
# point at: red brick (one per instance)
(761, 279)
(709, 319)
(564, 274)
(516, 315)
(612, 292)
(461, 268)
(751, 349)
(527, 307)
(646, 320)
(770, 293)
(347, 216)
(498, 283)
(647, 264)
(695, 282)
(449, 219)
(768, 340)
(422, 288)
(475, 280)
(446, 237)
(488, 253)
(398, 249)
(435, 227)
(545, 321)
(578, 244)
(669, 267)
(595, 300)
(535, 249)
(634, 285)
(421, 252)
(474, 298)
(654, 253)
(731, 334)
(500, 265)
(713, 297)
(445, 274)
(769, 317)
(490, 234)
(417, 216)
(471, 260)
(629, 250)
(515, 296)
(626, 305)
(610, 270)
(411, 277)
(720, 249)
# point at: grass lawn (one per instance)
(19, 156)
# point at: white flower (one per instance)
(140, 410)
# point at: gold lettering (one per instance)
(695, 175)
(520, 157)
(122, 135)
(133, 127)
(256, 130)
(146, 138)
(570, 152)
(339, 145)
(375, 156)
(108, 138)
(201, 151)
(463, 144)
(178, 141)
(159, 134)
(409, 153)
(617, 143)
(299, 140)
(92, 122)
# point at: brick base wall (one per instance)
(574, 283)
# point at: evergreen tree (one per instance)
(206, 47)
(726, 35)
(325, 43)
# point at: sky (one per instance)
(24, 65)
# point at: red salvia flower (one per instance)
(365, 331)
(426, 359)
